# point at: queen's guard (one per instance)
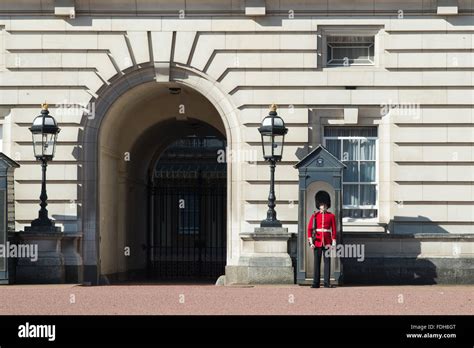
(322, 236)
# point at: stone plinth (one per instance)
(49, 267)
(264, 258)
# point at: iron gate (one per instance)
(188, 237)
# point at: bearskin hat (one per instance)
(322, 197)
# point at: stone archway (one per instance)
(124, 112)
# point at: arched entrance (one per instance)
(135, 122)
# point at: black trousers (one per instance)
(317, 266)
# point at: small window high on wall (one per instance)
(345, 50)
(356, 147)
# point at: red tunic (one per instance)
(324, 223)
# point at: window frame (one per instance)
(376, 183)
(373, 31)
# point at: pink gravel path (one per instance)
(210, 299)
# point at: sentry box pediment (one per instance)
(318, 171)
(320, 159)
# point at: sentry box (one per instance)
(7, 214)
(318, 171)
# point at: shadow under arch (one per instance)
(134, 84)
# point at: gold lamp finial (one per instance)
(44, 106)
(273, 107)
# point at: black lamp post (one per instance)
(273, 132)
(44, 131)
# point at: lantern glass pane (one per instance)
(277, 121)
(267, 145)
(267, 121)
(278, 145)
(38, 144)
(48, 144)
(38, 121)
(49, 121)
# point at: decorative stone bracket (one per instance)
(447, 7)
(65, 8)
(255, 8)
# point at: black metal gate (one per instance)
(189, 217)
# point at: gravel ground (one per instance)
(210, 299)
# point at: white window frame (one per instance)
(374, 31)
(376, 206)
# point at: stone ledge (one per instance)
(425, 236)
(258, 275)
(265, 233)
(65, 8)
(409, 270)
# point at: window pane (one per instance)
(367, 194)
(367, 171)
(351, 172)
(350, 40)
(350, 49)
(350, 150)
(352, 213)
(367, 149)
(334, 147)
(351, 54)
(351, 195)
(369, 213)
(342, 131)
(359, 213)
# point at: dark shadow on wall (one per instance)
(301, 152)
(79, 21)
(398, 261)
(269, 21)
(71, 246)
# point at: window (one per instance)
(346, 50)
(356, 147)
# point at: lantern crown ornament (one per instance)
(44, 131)
(273, 133)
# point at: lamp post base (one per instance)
(47, 267)
(264, 258)
(43, 229)
(270, 223)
